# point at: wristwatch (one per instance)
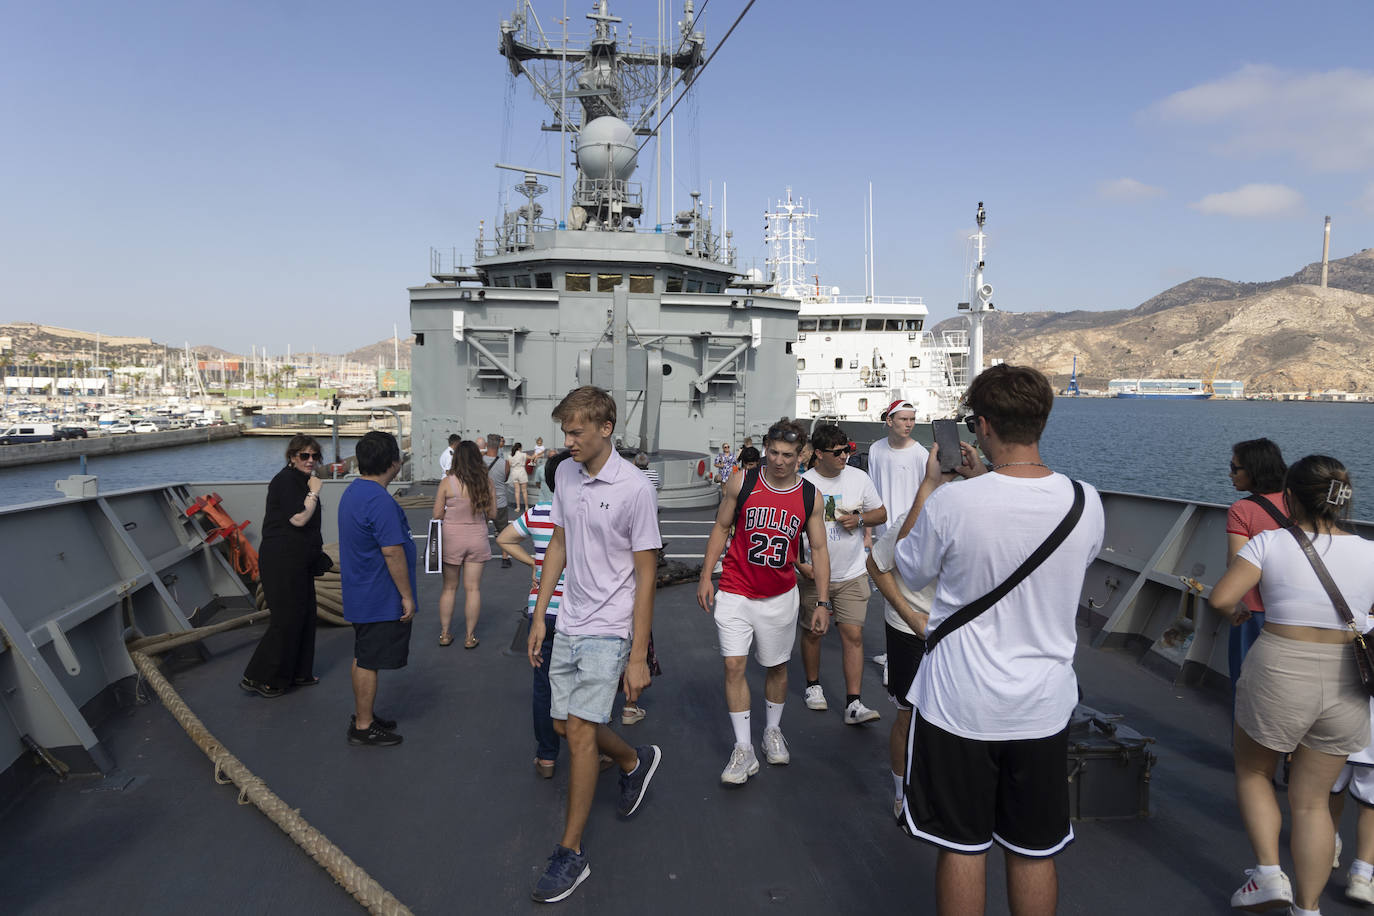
(824, 604)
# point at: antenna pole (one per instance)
(872, 245)
(1326, 249)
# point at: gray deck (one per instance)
(455, 819)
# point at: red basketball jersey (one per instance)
(764, 547)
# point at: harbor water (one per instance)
(1177, 449)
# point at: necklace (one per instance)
(1012, 464)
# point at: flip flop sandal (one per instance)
(446, 639)
(471, 642)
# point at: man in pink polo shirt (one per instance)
(605, 535)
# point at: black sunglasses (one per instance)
(837, 452)
(309, 456)
(779, 432)
(1235, 468)
(968, 421)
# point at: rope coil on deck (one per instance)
(227, 767)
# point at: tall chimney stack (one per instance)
(1326, 249)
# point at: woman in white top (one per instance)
(1299, 690)
(519, 478)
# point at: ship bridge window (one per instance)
(605, 283)
(693, 286)
(543, 281)
(894, 324)
(801, 363)
(503, 282)
(863, 403)
(839, 362)
(578, 283)
(672, 285)
(829, 324)
(852, 324)
(522, 281)
(641, 283)
(910, 324)
(806, 324)
(874, 324)
(712, 287)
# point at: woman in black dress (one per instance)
(291, 546)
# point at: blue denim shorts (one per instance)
(584, 674)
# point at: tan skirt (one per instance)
(1292, 692)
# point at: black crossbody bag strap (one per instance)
(1283, 520)
(1042, 553)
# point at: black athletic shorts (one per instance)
(904, 654)
(382, 645)
(963, 794)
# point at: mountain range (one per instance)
(1281, 335)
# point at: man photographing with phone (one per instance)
(993, 695)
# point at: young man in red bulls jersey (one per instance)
(757, 601)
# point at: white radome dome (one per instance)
(606, 149)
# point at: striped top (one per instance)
(534, 523)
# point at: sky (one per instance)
(275, 174)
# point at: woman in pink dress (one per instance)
(464, 501)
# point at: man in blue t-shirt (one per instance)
(377, 566)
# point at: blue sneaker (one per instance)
(567, 869)
(634, 785)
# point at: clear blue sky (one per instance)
(275, 174)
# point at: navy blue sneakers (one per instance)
(634, 785)
(567, 869)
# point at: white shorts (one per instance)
(770, 622)
(1359, 780)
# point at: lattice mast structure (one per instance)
(606, 92)
(787, 234)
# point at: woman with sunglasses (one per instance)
(1257, 468)
(290, 554)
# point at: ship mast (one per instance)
(785, 232)
(980, 300)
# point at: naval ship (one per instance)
(109, 806)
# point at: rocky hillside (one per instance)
(1282, 335)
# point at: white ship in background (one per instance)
(857, 354)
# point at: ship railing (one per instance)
(872, 300)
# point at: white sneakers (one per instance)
(815, 698)
(775, 747)
(1262, 892)
(857, 713)
(1358, 888)
(743, 764)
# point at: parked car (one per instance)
(72, 432)
(145, 426)
(116, 429)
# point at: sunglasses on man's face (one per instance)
(1235, 468)
(837, 452)
(968, 421)
(309, 456)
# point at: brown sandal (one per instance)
(470, 642)
(445, 639)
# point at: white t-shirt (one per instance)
(897, 473)
(1288, 580)
(446, 460)
(848, 492)
(1008, 674)
(884, 549)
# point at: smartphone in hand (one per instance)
(946, 435)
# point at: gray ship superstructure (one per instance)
(659, 315)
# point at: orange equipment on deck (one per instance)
(242, 557)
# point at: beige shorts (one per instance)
(1292, 692)
(848, 599)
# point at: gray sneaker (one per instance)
(775, 747)
(743, 764)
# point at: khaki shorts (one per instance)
(848, 599)
(1292, 692)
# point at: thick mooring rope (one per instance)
(229, 768)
